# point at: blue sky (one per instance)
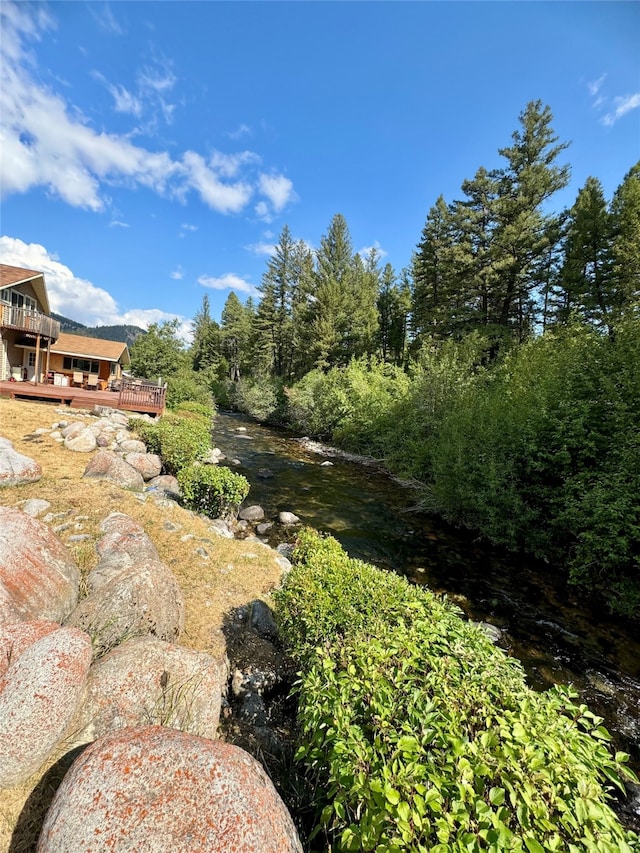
(153, 151)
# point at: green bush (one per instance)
(184, 438)
(185, 385)
(147, 432)
(420, 735)
(212, 490)
(205, 410)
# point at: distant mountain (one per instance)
(126, 334)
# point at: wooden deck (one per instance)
(144, 400)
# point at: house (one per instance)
(26, 329)
(73, 356)
(33, 348)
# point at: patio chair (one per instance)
(92, 381)
(78, 379)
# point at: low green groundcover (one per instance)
(419, 735)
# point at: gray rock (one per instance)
(221, 528)
(41, 694)
(148, 681)
(165, 484)
(159, 790)
(286, 549)
(261, 529)
(262, 621)
(253, 710)
(326, 464)
(265, 473)
(251, 513)
(35, 507)
(73, 429)
(83, 441)
(288, 518)
(132, 445)
(139, 600)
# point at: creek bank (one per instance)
(122, 668)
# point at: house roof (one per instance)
(82, 347)
(10, 276)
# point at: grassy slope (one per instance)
(234, 572)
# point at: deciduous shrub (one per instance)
(421, 735)
(180, 438)
(213, 490)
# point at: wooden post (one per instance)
(37, 357)
(48, 356)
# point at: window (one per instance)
(32, 359)
(21, 300)
(69, 363)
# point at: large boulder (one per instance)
(107, 465)
(142, 599)
(146, 680)
(84, 441)
(123, 544)
(251, 513)
(149, 465)
(38, 578)
(16, 469)
(41, 694)
(165, 791)
(17, 637)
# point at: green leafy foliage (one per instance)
(179, 438)
(213, 490)
(421, 735)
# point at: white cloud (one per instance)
(261, 248)
(278, 189)
(230, 281)
(225, 198)
(366, 251)
(263, 212)
(239, 132)
(622, 106)
(177, 273)
(594, 86)
(124, 100)
(115, 223)
(47, 142)
(105, 18)
(76, 297)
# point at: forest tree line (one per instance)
(500, 369)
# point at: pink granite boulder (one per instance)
(38, 578)
(165, 791)
(107, 465)
(148, 464)
(15, 468)
(141, 599)
(146, 680)
(42, 692)
(123, 544)
(16, 637)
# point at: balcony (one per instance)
(28, 321)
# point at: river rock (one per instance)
(251, 513)
(83, 441)
(263, 528)
(262, 621)
(288, 518)
(148, 464)
(124, 543)
(42, 692)
(38, 578)
(15, 468)
(73, 429)
(167, 484)
(107, 465)
(35, 507)
(265, 473)
(220, 528)
(145, 681)
(133, 445)
(165, 791)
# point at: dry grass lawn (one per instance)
(215, 574)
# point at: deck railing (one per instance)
(28, 320)
(137, 394)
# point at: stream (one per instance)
(547, 627)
